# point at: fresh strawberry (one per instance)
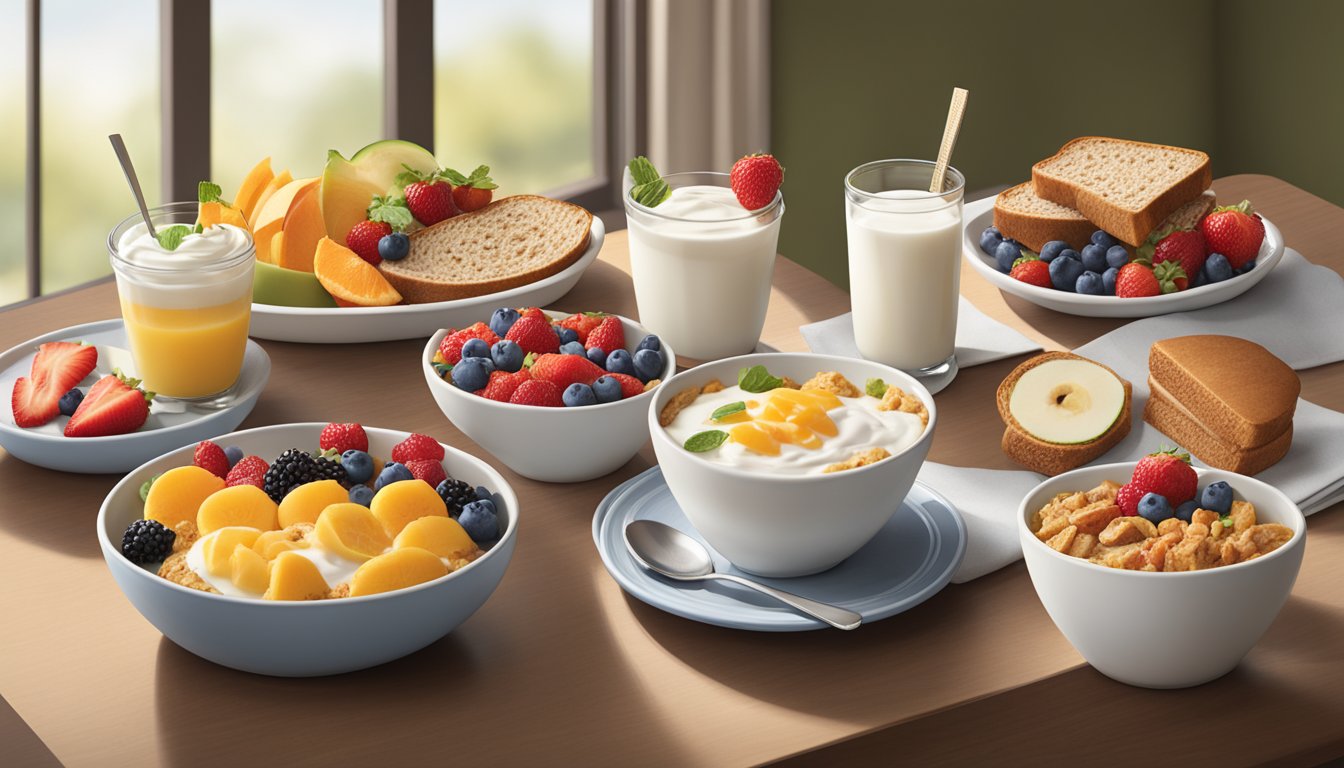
(57, 368)
(538, 392)
(1136, 280)
(429, 470)
(583, 323)
(472, 192)
(113, 407)
(363, 239)
(630, 386)
(211, 458)
(343, 437)
(608, 336)
(1234, 231)
(534, 334)
(1184, 247)
(533, 312)
(250, 470)
(564, 370)
(755, 180)
(1167, 473)
(1032, 271)
(417, 446)
(428, 196)
(451, 346)
(1127, 499)
(503, 384)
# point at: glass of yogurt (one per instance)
(187, 309)
(904, 264)
(702, 265)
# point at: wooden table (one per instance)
(561, 667)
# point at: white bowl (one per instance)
(1163, 630)
(553, 445)
(787, 525)
(320, 637)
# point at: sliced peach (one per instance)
(303, 227)
(295, 577)
(248, 570)
(349, 278)
(271, 543)
(217, 547)
(245, 505)
(786, 432)
(178, 493)
(351, 531)
(397, 504)
(397, 569)
(279, 180)
(253, 184)
(443, 536)
(754, 439)
(275, 252)
(305, 503)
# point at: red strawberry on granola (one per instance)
(1167, 473)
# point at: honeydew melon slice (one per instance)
(288, 287)
(348, 186)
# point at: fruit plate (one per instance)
(906, 563)
(980, 214)
(317, 637)
(170, 424)
(351, 325)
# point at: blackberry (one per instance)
(290, 470)
(456, 494)
(147, 541)
(330, 469)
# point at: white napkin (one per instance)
(980, 338)
(1294, 312)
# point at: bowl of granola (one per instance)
(1170, 597)
(789, 463)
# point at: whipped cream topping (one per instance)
(206, 269)
(705, 211)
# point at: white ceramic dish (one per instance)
(1163, 630)
(980, 214)
(168, 426)
(320, 637)
(553, 445)
(350, 325)
(787, 525)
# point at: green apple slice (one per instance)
(348, 186)
(288, 287)
(1067, 401)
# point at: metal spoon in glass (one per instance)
(663, 549)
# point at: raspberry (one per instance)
(428, 470)
(250, 470)
(211, 458)
(343, 437)
(451, 346)
(417, 446)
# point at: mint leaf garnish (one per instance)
(757, 379)
(171, 237)
(705, 441)
(875, 387)
(529, 359)
(649, 189)
(725, 411)
(392, 211)
(479, 178)
(209, 192)
(642, 171)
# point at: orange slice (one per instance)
(349, 278)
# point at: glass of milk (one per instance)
(904, 264)
(702, 265)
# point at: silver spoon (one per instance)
(663, 549)
(119, 147)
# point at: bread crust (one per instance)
(1034, 230)
(1171, 421)
(1054, 458)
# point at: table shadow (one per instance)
(56, 525)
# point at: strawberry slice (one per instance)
(113, 407)
(57, 368)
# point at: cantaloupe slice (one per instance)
(303, 227)
(351, 279)
(275, 252)
(214, 212)
(249, 192)
(279, 180)
(270, 218)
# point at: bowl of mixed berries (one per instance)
(556, 397)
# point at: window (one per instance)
(13, 50)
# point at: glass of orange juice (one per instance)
(186, 307)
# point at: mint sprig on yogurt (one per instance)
(705, 441)
(171, 237)
(757, 379)
(649, 189)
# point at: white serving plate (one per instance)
(980, 214)
(169, 426)
(352, 325)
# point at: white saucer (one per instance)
(170, 424)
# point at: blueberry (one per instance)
(472, 373)
(1090, 284)
(1094, 258)
(70, 401)
(989, 240)
(649, 342)
(597, 356)
(578, 394)
(573, 348)
(502, 320)
(1117, 256)
(394, 247)
(1155, 508)
(476, 348)
(392, 473)
(234, 454)
(1217, 497)
(1069, 253)
(1247, 267)
(507, 356)
(480, 521)
(1108, 280)
(1187, 510)
(484, 494)
(1201, 278)
(358, 466)
(1052, 249)
(607, 389)
(567, 334)
(1104, 240)
(1007, 252)
(1217, 268)
(648, 364)
(1064, 271)
(361, 494)
(620, 361)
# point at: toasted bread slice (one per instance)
(1174, 421)
(1034, 221)
(1235, 389)
(509, 243)
(1054, 458)
(1124, 187)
